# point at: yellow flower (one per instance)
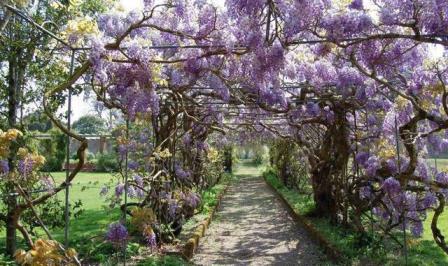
(385, 149)
(427, 104)
(165, 153)
(20, 3)
(81, 26)
(401, 102)
(56, 5)
(38, 160)
(12, 134)
(20, 256)
(71, 253)
(4, 150)
(386, 153)
(213, 155)
(43, 252)
(121, 140)
(22, 152)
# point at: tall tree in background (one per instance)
(89, 124)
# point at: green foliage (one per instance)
(213, 168)
(107, 162)
(258, 156)
(90, 124)
(4, 261)
(54, 150)
(209, 197)
(37, 121)
(302, 202)
(257, 159)
(106, 254)
(289, 165)
(50, 213)
(163, 260)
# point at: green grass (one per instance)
(92, 222)
(246, 168)
(163, 261)
(425, 251)
(85, 187)
(95, 217)
(210, 196)
(442, 164)
(422, 251)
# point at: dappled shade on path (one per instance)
(253, 227)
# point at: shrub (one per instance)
(54, 148)
(107, 162)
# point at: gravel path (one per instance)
(252, 227)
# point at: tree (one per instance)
(37, 121)
(90, 124)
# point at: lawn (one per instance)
(442, 164)
(86, 187)
(94, 219)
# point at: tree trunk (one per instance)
(11, 221)
(13, 104)
(322, 190)
(327, 173)
(228, 159)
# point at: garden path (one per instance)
(252, 227)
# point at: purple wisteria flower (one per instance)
(362, 157)
(47, 182)
(392, 186)
(119, 189)
(181, 173)
(365, 192)
(172, 209)
(25, 167)
(442, 177)
(417, 228)
(186, 139)
(117, 234)
(356, 4)
(4, 167)
(429, 200)
(138, 180)
(192, 200)
(131, 192)
(373, 164)
(133, 165)
(150, 237)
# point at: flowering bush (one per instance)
(46, 252)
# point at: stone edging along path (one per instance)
(332, 252)
(192, 243)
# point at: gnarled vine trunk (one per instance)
(327, 169)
